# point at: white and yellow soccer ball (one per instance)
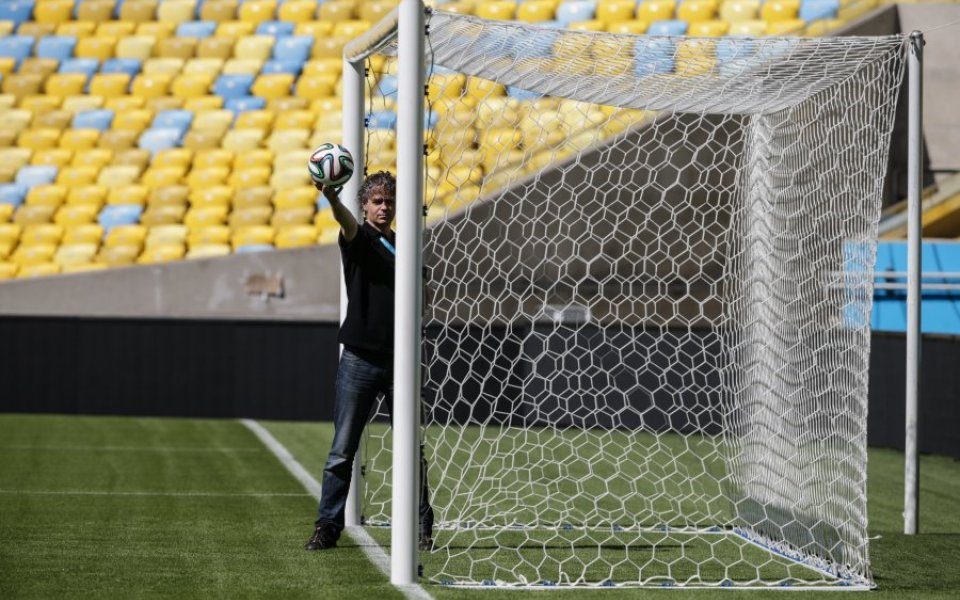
(330, 164)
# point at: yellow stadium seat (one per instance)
(156, 29)
(822, 27)
(177, 47)
(336, 11)
(176, 11)
(161, 254)
(253, 159)
(164, 103)
(53, 11)
(127, 102)
(297, 11)
(315, 29)
(323, 66)
(42, 233)
(43, 269)
(77, 29)
(615, 11)
(208, 251)
(116, 29)
(94, 195)
(172, 157)
(255, 119)
(288, 139)
(6, 212)
(257, 11)
(215, 195)
(8, 270)
(191, 86)
(128, 194)
(79, 140)
(205, 216)
(15, 157)
(161, 176)
(138, 11)
(15, 120)
(289, 177)
(35, 30)
(592, 25)
(38, 139)
(242, 66)
(51, 194)
(100, 48)
(208, 234)
(213, 120)
(708, 28)
(218, 10)
(54, 119)
(97, 11)
(234, 29)
(7, 65)
(301, 215)
(251, 177)
(32, 254)
(324, 219)
(751, 28)
(76, 214)
(786, 27)
(273, 85)
(536, 10)
(296, 197)
(249, 216)
(170, 195)
(134, 157)
(151, 86)
(89, 233)
(501, 10)
(217, 157)
(295, 236)
(257, 47)
(96, 157)
(75, 176)
(118, 255)
(694, 11)
(204, 66)
(350, 29)
(202, 139)
(203, 103)
(166, 234)
(123, 235)
(205, 177)
(10, 232)
(252, 235)
(132, 120)
(215, 47)
(139, 47)
(80, 103)
(735, 11)
(109, 85)
(656, 10)
(294, 119)
(329, 47)
(82, 267)
(169, 66)
(163, 215)
(779, 10)
(118, 175)
(43, 67)
(243, 140)
(252, 196)
(315, 87)
(21, 86)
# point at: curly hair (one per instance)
(380, 179)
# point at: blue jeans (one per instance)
(360, 378)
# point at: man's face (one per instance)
(379, 207)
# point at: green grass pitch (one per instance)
(106, 507)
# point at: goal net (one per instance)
(646, 330)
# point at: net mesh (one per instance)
(647, 321)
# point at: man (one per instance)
(366, 365)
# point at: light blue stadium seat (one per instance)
(130, 66)
(196, 29)
(387, 87)
(275, 28)
(521, 94)
(245, 103)
(12, 193)
(32, 175)
(17, 47)
(119, 214)
(283, 66)
(229, 87)
(668, 27)
(652, 56)
(294, 47)
(59, 47)
(17, 11)
(93, 119)
(254, 248)
(173, 119)
(322, 202)
(430, 119)
(813, 10)
(382, 119)
(576, 10)
(157, 139)
(87, 66)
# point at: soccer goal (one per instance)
(642, 358)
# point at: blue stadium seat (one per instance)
(576, 10)
(229, 87)
(519, 94)
(196, 29)
(119, 214)
(12, 193)
(17, 47)
(387, 87)
(31, 175)
(283, 66)
(322, 202)
(93, 119)
(59, 47)
(652, 56)
(275, 28)
(130, 66)
(245, 103)
(814, 10)
(382, 119)
(254, 248)
(157, 139)
(87, 66)
(173, 119)
(668, 27)
(295, 47)
(17, 11)
(430, 119)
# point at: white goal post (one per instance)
(644, 356)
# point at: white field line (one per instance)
(369, 546)
(128, 448)
(145, 493)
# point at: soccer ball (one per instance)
(330, 164)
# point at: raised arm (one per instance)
(347, 221)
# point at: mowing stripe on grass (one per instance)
(370, 547)
(108, 493)
(128, 449)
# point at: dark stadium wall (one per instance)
(286, 370)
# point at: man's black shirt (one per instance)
(368, 270)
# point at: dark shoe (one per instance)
(324, 538)
(426, 542)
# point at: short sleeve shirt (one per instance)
(368, 271)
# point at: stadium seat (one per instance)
(30, 176)
(214, 195)
(202, 251)
(90, 233)
(735, 11)
(95, 11)
(156, 139)
(119, 214)
(75, 214)
(234, 29)
(128, 195)
(779, 10)
(16, 11)
(295, 236)
(100, 48)
(750, 28)
(53, 11)
(196, 29)
(694, 11)
(786, 27)
(177, 47)
(17, 47)
(297, 11)
(205, 216)
(138, 47)
(815, 10)
(166, 234)
(173, 119)
(56, 47)
(75, 253)
(208, 234)
(252, 196)
(257, 47)
(245, 103)
(337, 10)
(218, 10)
(157, 214)
(275, 28)
(215, 47)
(250, 216)
(43, 269)
(32, 254)
(176, 11)
(118, 255)
(115, 29)
(656, 10)
(713, 28)
(48, 194)
(127, 66)
(670, 27)
(161, 254)
(41, 234)
(93, 195)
